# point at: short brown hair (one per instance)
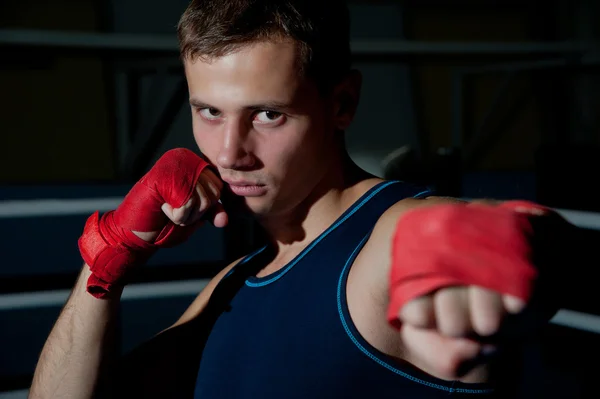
(214, 28)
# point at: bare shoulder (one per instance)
(198, 305)
(374, 260)
(366, 289)
(385, 226)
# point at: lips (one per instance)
(241, 183)
(244, 188)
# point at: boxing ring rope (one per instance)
(167, 44)
(564, 317)
(84, 206)
(159, 45)
(133, 292)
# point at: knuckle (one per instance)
(424, 321)
(417, 319)
(452, 311)
(488, 324)
(181, 214)
(177, 217)
(418, 313)
(453, 328)
(513, 304)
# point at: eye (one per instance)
(268, 117)
(210, 114)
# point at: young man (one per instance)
(367, 288)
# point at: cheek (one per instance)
(275, 153)
(299, 151)
(207, 141)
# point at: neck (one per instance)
(333, 194)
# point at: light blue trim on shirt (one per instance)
(373, 356)
(246, 259)
(320, 238)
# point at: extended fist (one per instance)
(457, 271)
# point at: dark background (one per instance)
(494, 99)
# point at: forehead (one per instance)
(261, 71)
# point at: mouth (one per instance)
(241, 183)
(245, 188)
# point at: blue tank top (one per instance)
(289, 334)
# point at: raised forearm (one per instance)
(79, 347)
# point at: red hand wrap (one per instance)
(108, 245)
(462, 244)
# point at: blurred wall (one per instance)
(67, 104)
(58, 123)
(386, 117)
(54, 110)
(519, 133)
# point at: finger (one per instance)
(218, 183)
(206, 198)
(167, 210)
(211, 189)
(178, 215)
(440, 354)
(512, 304)
(220, 218)
(419, 312)
(210, 183)
(451, 308)
(486, 310)
(202, 202)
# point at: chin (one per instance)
(248, 207)
(258, 206)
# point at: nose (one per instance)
(234, 153)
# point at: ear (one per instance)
(346, 96)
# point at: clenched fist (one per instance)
(162, 210)
(457, 271)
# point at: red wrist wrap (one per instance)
(457, 245)
(108, 245)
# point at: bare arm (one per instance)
(80, 358)
(439, 330)
(80, 344)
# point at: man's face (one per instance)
(266, 128)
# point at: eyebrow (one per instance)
(271, 105)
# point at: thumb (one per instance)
(446, 357)
(218, 216)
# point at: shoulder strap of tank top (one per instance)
(368, 209)
(373, 203)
